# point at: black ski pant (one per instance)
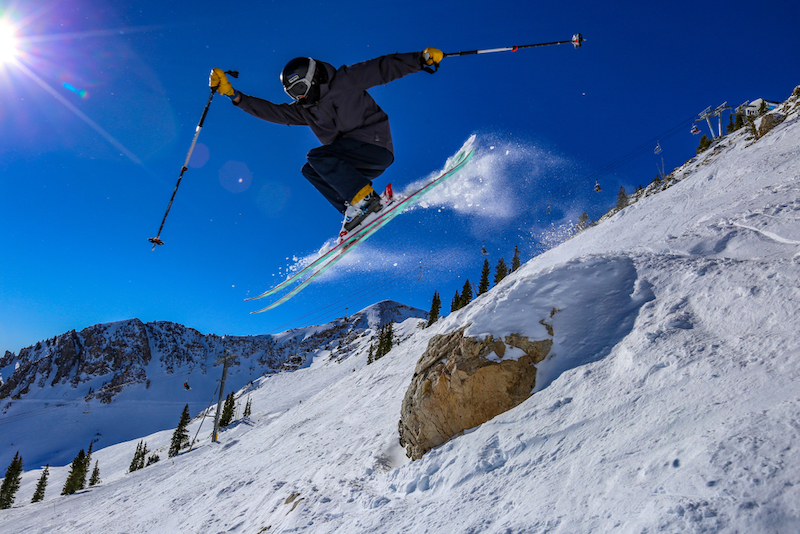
(343, 168)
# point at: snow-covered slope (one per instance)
(670, 403)
(119, 381)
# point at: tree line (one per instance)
(469, 291)
(79, 477)
(76, 479)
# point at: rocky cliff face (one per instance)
(461, 382)
(127, 352)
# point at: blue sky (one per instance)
(100, 104)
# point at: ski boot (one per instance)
(359, 210)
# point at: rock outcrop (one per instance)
(768, 122)
(461, 382)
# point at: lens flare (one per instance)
(8, 42)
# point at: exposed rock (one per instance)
(768, 122)
(461, 382)
(126, 352)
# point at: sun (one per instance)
(8, 42)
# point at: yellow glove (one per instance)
(217, 79)
(432, 55)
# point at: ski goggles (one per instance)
(299, 87)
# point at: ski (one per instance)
(331, 257)
(457, 161)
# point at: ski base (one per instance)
(349, 241)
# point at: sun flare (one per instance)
(8, 42)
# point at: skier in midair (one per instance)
(353, 129)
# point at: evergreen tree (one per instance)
(436, 305)
(500, 271)
(87, 462)
(582, 222)
(466, 294)
(180, 438)
(95, 478)
(387, 340)
(8, 490)
(454, 304)
(483, 287)
(515, 261)
(730, 128)
(622, 198)
(153, 458)
(383, 345)
(763, 108)
(739, 121)
(248, 408)
(705, 142)
(38, 495)
(226, 417)
(138, 457)
(76, 479)
(134, 466)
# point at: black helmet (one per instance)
(299, 77)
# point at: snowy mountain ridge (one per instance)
(136, 362)
(669, 402)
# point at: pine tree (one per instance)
(383, 345)
(248, 408)
(582, 222)
(466, 294)
(38, 495)
(483, 287)
(226, 417)
(730, 128)
(622, 198)
(8, 490)
(436, 305)
(180, 438)
(739, 121)
(76, 479)
(87, 462)
(153, 458)
(139, 457)
(95, 478)
(515, 261)
(135, 461)
(500, 271)
(705, 142)
(454, 304)
(387, 340)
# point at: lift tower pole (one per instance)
(224, 361)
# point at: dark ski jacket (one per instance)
(344, 109)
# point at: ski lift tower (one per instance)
(224, 360)
(707, 114)
(718, 113)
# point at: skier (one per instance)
(353, 129)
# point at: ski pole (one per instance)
(157, 239)
(576, 41)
